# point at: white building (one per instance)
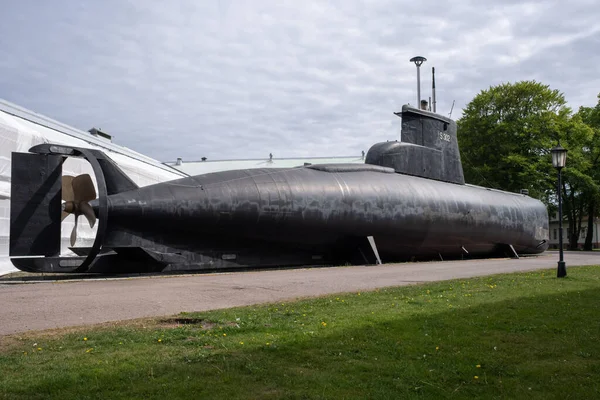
(21, 129)
(554, 226)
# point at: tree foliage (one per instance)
(505, 136)
(591, 117)
(578, 185)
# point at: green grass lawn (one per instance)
(508, 336)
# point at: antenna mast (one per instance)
(418, 60)
(433, 86)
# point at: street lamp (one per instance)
(418, 60)
(559, 159)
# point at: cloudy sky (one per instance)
(240, 79)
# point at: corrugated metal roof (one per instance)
(205, 167)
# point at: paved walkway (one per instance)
(43, 305)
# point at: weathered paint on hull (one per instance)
(407, 215)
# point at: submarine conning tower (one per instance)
(428, 147)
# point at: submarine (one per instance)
(408, 201)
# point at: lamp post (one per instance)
(559, 159)
(418, 60)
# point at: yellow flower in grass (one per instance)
(159, 340)
(324, 323)
(85, 339)
(478, 366)
(475, 377)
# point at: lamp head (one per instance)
(418, 60)
(559, 156)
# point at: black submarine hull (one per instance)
(325, 207)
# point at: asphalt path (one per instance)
(31, 305)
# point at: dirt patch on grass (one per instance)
(9, 341)
(177, 322)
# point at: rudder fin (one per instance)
(116, 180)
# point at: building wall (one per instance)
(554, 227)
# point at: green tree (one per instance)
(591, 117)
(505, 136)
(578, 186)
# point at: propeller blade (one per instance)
(88, 211)
(74, 232)
(83, 188)
(67, 188)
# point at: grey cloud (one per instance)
(240, 79)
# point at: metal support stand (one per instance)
(513, 251)
(374, 247)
